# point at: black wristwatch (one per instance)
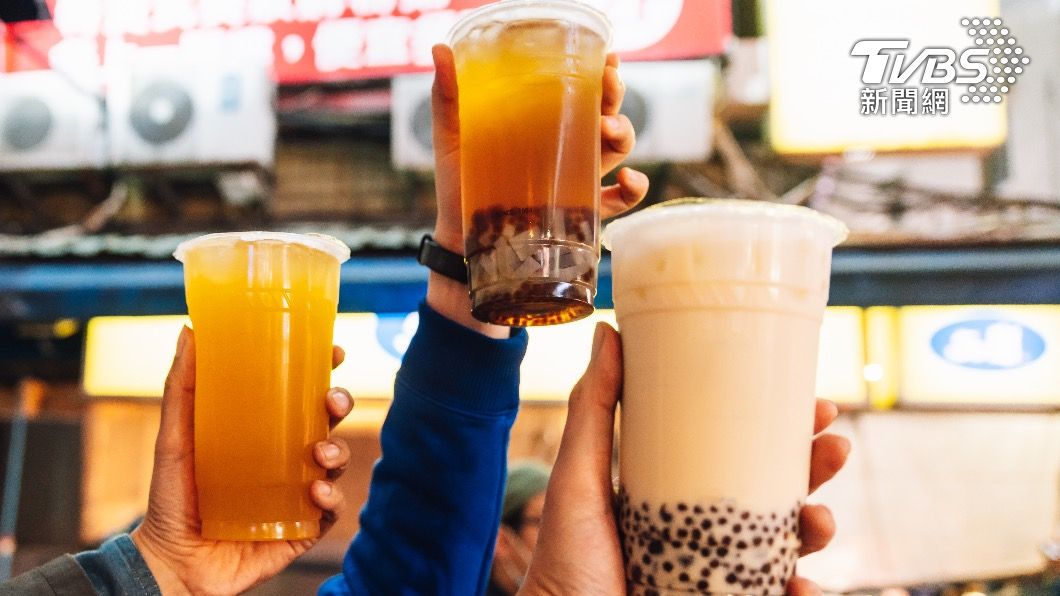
(442, 260)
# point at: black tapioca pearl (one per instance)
(677, 544)
(650, 592)
(745, 515)
(711, 541)
(682, 507)
(697, 509)
(741, 545)
(689, 521)
(746, 583)
(773, 515)
(726, 540)
(644, 506)
(713, 509)
(783, 550)
(730, 509)
(731, 578)
(765, 567)
(667, 566)
(704, 571)
(665, 515)
(759, 581)
(696, 534)
(665, 535)
(693, 546)
(752, 527)
(722, 521)
(770, 541)
(705, 551)
(701, 585)
(646, 559)
(685, 560)
(655, 547)
(682, 533)
(705, 524)
(683, 577)
(651, 579)
(736, 528)
(714, 563)
(738, 568)
(757, 541)
(723, 552)
(772, 580)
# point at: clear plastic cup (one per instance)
(263, 306)
(719, 303)
(530, 79)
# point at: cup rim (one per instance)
(530, 9)
(321, 242)
(726, 208)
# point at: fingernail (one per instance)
(341, 400)
(613, 122)
(325, 488)
(331, 450)
(598, 338)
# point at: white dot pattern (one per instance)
(1003, 50)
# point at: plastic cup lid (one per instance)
(732, 209)
(321, 242)
(574, 11)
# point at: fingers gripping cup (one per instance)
(720, 305)
(529, 75)
(263, 307)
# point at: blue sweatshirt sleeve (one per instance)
(430, 523)
(116, 567)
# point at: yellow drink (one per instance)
(263, 308)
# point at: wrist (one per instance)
(451, 298)
(165, 574)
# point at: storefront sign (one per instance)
(330, 40)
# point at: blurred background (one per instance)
(127, 126)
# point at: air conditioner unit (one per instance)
(168, 106)
(669, 103)
(46, 123)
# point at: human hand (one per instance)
(511, 559)
(578, 551)
(616, 141)
(181, 561)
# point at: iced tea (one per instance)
(530, 78)
(263, 308)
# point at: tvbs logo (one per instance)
(987, 68)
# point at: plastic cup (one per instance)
(719, 304)
(530, 79)
(263, 306)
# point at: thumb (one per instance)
(582, 472)
(444, 108)
(178, 402)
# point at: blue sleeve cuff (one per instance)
(462, 368)
(116, 567)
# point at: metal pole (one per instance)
(30, 394)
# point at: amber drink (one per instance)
(263, 308)
(530, 77)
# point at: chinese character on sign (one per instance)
(873, 100)
(903, 100)
(936, 101)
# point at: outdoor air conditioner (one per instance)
(167, 106)
(669, 103)
(46, 123)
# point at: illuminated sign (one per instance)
(998, 356)
(841, 356)
(829, 94)
(318, 40)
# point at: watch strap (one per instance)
(442, 260)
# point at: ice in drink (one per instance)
(530, 77)
(719, 304)
(263, 308)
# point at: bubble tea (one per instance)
(719, 304)
(530, 81)
(263, 306)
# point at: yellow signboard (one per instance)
(995, 356)
(841, 357)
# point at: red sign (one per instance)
(327, 40)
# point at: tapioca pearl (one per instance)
(715, 563)
(704, 571)
(756, 541)
(731, 578)
(711, 541)
(745, 515)
(677, 544)
(730, 509)
(693, 546)
(667, 566)
(682, 507)
(683, 577)
(701, 585)
(682, 533)
(723, 551)
(665, 515)
(765, 568)
(696, 534)
(713, 509)
(746, 583)
(722, 521)
(705, 551)
(726, 540)
(697, 509)
(736, 528)
(655, 547)
(740, 545)
(689, 521)
(752, 527)
(769, 541)
(635, 572)
(646, 559)
(705, 524)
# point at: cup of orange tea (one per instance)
(530, 78)
(263, 307)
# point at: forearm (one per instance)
(450, 298)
